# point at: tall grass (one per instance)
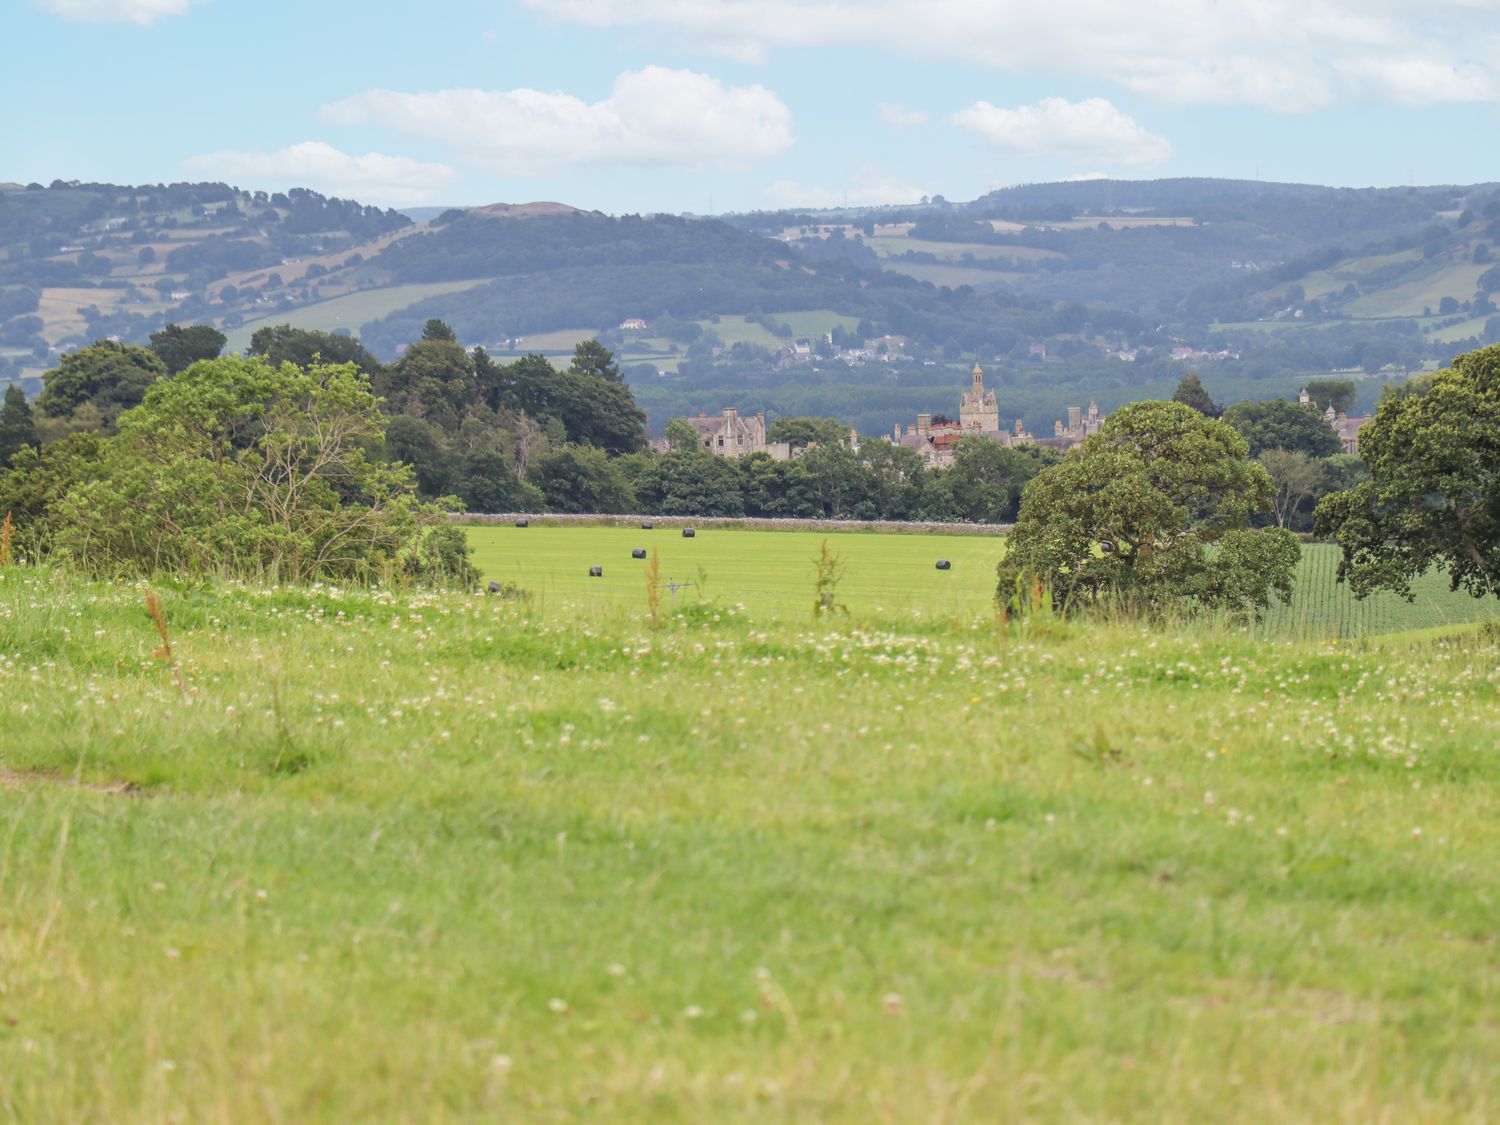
(422, 856)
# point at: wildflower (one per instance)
(891, 1003)
(557, 1005)
(692, 1012)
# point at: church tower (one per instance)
(979, 408)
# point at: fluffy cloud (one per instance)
(900, 115)
(1088, 132)
(868, 187)
(117, 11)
(1281, 54)
(653, 117)
(371, 178)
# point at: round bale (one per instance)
(638, 553)
(688, 533)
(646, 526)
(522, 523)
(596, 572)
(944, 564)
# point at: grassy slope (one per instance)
(417, 857)
(349, 311)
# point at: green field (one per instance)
(1410, 298)
(765, 572)
(350, 311)
(955, 251)
(349, 856)
(771, 574)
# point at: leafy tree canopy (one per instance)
(1152, 512)
(17, 426)
(109, 376)
(801, 432)
(1433, 499)
(282, 343)
(1338, 393)
(1190, 392)
(245, 467)
(180, 347)
(1278, 424)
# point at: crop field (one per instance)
(338, 855)
(349, 311)
(770, 573)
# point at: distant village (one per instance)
(935, 437)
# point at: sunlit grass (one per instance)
(398, 856)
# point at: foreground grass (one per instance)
(450, 857)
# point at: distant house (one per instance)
(180, 294)
(634, 324)
(729, 435)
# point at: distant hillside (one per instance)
(1068, 291)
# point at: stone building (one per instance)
(730, 435)
(1344, 425)
(1079, 425)
(937, 438)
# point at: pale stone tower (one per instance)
(978, 408)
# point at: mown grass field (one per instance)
(351, 855)
(771, 573)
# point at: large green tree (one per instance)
(1433, 497)
(181, 347)
(282, 343)
(245, 467)
(108, 376)
(17, 426)
(692, 482)
(1278, 424)
(802, 431)
(1152, 512)
(581, 478)
(1190, 392)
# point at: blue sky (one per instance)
(699, 105)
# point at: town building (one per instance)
(1347, 427)
(730, 435)
(1079, 425)
(936, 438)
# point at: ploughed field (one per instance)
(344, 855)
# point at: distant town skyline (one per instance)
(725, 105)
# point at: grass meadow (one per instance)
(372, 855)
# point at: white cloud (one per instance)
(371, 178)
(892, 114)
(117, 11)
(868, 187)
(654, 117)
(1281, 54)
(1419, 82)
(1088, 132)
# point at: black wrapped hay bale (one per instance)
(944, 564)
(688, 533)
(596, 572)
(638, 553)
(646, 526)
(522, 523)
(495, 587)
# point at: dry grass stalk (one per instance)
(164, 653)
(653, 589)
(7, 533)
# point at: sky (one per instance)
(708, 106)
